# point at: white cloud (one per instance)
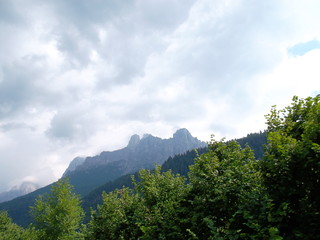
(77, 78)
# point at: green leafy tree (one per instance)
(58, 215)
(150, 211)
(11, 231)
(291, 167)
(116, 217)
(8, 229)
(227, 200)
(161, 195)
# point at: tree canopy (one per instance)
(58, 215)
(291, 167)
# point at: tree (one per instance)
(161, 195)
(149, 211)
(116, 217)
(227, 200)
(10, 230)
(58, 215)
(291, 167)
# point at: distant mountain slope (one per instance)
(17, 191)
(140, 153)
(178, 164)
(96, 171)
(73, 165)
(19, 208)
(256, 141)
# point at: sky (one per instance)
(79, 77)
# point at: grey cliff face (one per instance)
(73, 165)
(134, 141)
(140, 153)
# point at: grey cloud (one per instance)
(163, 15)
(23, 85)
(132, 33)
(75, 48)
(230, 47)
(9, 13)
(15, 126)
(64, 127)
(77, 28)
(17, 89)
(73, 124)
(84, 14)
(220, 56)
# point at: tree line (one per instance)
(227, 194)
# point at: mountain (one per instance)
(256, 142)
(138, 154)
(179, 164)
(73, 165)
(92, 172)
(18, 208)
(17, 191)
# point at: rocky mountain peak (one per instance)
(17, 191)
(182, 133)
(73, 165)
(134, 141)
(139, 153)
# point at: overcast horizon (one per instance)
(78, 77)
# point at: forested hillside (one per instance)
(227, 194)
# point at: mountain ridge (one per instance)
(181, 142)
(18, 208)
(140, 153)
(98, 170)
(17, 191)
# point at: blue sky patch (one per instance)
(302, 48)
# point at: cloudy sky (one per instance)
(78, 77)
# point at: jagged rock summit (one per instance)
(73, 164)
(140, 153)
(147, 150)
(134, 141)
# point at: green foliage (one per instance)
(149, 212)
(11, 231)
(291, 168)
(19, 208)
(8, 229)
(116, 217)
(256, 142)
(179, 164)
(58, 215)
(227, 198)
(161, 195)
